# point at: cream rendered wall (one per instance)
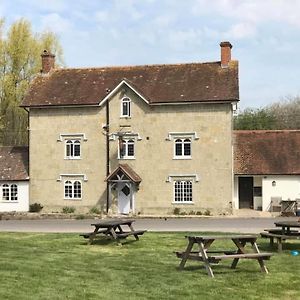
(23, 198)
(287, 187)
(47, 154)
(211, 154)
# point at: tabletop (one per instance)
(113, 222)
(288, 224)
(223, 237)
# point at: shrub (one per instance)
(68, 209)
(79, 217)
(199, 213)
(207, 213)
(176, 211)
(35, 207)
(95, 210)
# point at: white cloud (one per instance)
(55, 23)
(240, 31)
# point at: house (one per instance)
(138, 139)
(266, 167)
(14, 180)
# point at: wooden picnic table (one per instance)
(287, 225)
(215, 256)
(114, 228)
(281, 234)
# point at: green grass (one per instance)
(63, 266)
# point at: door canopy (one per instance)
(124, 173)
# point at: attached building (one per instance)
(266, 167)
(14, 180)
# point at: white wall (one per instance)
(23, 198)
(287, 187)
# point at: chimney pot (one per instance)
(225, 53)
(48, 61)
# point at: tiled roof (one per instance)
(192, 82)
(14, 163)
(128, 171)
(263, 152)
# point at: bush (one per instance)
(95, 210)
(199, 213)
(68, 209)
(207, 213)
(80, 217)
(176, 211)
(35, 207)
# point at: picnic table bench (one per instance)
(282, 234)
(113, 229)
(204, 255)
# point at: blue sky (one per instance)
(265, 36)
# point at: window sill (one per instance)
(182, 157)
(9, 201)
(72, 158)
(127, 158)
(125, 117)
(187, 202)
(73, 199)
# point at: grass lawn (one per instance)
(63, 266)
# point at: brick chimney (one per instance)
(225, 54)
(48, 62)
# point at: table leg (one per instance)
(241, 249)
(93, 235)
(260, 260)
(186, 254)
(279, 244)
(205, 259)
(114, 235)
(131, 228)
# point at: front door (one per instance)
(245, 192)
(124, 196)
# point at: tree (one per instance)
(255, 119)
(284, 114)
(20, 62)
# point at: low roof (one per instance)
(174, 83)
(127, 171)
(267, 152)
(14, 163)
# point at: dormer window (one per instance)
(125, 107)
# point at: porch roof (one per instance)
(127, 171)
(267, 152)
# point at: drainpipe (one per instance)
(107, 154)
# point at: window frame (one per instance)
(183, 142)
(125, 100)
(127, 141)
(11, 191)
(184, 185)
(73, 143)
(71, 184)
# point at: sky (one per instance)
(93, 33)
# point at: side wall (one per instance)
(23, 198)
(287, 187)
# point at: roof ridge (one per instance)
(138, 66)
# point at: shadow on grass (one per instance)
(107, 242)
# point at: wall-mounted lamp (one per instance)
(273, 183)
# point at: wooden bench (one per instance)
(136, 233)
(279, 231)
(194, 255)
(89, 234)
(279, 238)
